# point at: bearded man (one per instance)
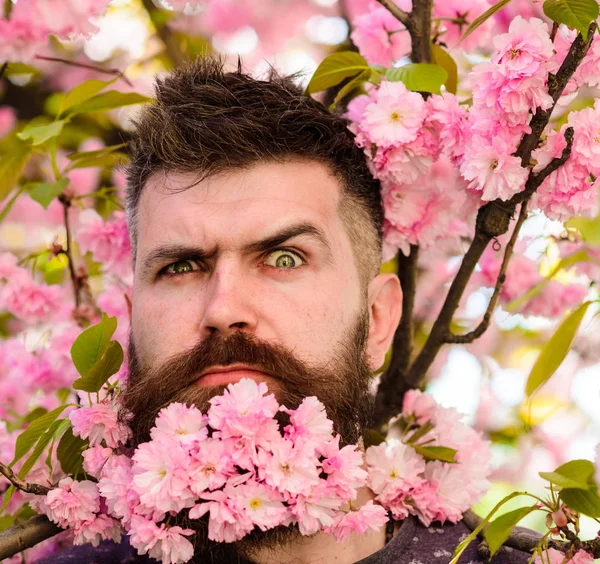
(256, 231)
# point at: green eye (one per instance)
(181, 267)
(286, 260)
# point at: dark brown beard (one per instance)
(342, 385)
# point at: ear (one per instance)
(385, 308)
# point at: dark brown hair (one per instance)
(209, 121)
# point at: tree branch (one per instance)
(27, 534)
(116, 72)
(26, 487)
(172, 45)
(68, 251)
(402, 16)
(487, 317)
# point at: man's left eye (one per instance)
(284, 259)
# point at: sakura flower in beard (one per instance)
(242, 410)
(308, 421)
(115, 486)
(315, 510)
(167, 544)
(259, 504)
(379, 36)
(394, 116)
(225, 523)
(343, 467)
(102, 527)
(210, 466)
(368, 516)
(99, 423)
(161, 477)
(290, 468)
(72, 503)
(525, 49)
(184, 424)
(493, 170)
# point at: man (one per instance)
(256, 229)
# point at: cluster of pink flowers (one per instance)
(108, 241)
(31, 22)
(237, 466)
(405, 483)
(553, 556)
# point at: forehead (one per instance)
(240, 204)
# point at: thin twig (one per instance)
(27, 534)
(555, 27)
(487, 317)
(114, 72)
(68, 251)
(22, 485)
(402, 16)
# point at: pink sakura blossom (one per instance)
(493, 170)
(184, 424)
(167, 544)
(343, 467)
(99, 423)
(451, 33)
(94, 459)
(210, 466)
(108, 241)
(115, 486)
(260, 505)
(395, 115)
(583, 557)
(379, 36)
(8, 120)
(316, 510)
(309, 421)
(30, 301)
(450, 117)
(394, 474)
(555, 298)
(551, 556)
(242, 410)
(589, 70)
(72, 503)
(368, 516)
(160, 476)
(102, 527)
(420, 405)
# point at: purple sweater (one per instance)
(412, 544)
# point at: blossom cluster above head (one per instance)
(236, 467)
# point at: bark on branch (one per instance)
(27, 534)
(26, 487)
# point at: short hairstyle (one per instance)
(208, 121)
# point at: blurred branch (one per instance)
(21, 484)
(170, 41)
(115, 72)
(27, 534)
(3, 69)
(487, 317)
(68, 251)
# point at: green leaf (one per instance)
(483, 18)
(577, 14)
(586, 502)
(107, 365)
(6, 522)
(444, 454)
(99, 160)
(69, 453)
(83, 92)
(443, 59)
(21, 68)
(107, 101)
(499, 530)
(372, 437)
(90, 344)
(43, 193)
(7, 496)
(419, 77)
(420, 432)
(460, 548)
(6, 209)
(13, 156)
(555, 350)
(55, 429)
(39, 134)
(574, 474)
(355, 83)
(36, 429)
(335, 68)
(589, 228)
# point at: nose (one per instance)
(229, 303)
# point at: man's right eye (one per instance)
(181, 267)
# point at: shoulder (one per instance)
(107, 552)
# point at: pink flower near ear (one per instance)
(72, 503)
(368, 516)
(419, 404)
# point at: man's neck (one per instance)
(322, 548)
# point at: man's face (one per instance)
(262, 250)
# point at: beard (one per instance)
(342, 384)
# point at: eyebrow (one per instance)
(170, 252)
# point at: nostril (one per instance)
(238, 325)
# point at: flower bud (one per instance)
(560, 518)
